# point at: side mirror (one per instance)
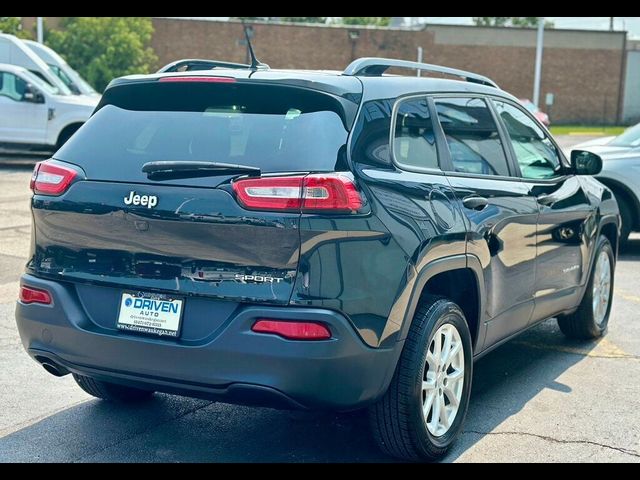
(585, 163)
(32, 95)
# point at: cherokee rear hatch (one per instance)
(192, 186)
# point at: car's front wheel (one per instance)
(591, 318)
(422, 412)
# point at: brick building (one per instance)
(584, 69)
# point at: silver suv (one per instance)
(621, 173)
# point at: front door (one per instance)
(500, 211)
(567, 219)
(21, 121)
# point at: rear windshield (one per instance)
(275, 129)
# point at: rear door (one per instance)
(500, 211)
(567, 219)
(190, 236)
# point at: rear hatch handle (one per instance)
(173, 170)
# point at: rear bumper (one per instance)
(233, 364)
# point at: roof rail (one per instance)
(374, 67)
(199, 64)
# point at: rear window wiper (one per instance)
(173, 170)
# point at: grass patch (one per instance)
(585, 130)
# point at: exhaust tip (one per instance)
(52, 367)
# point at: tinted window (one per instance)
(472, 136)
(370, 143)
(260, 127)
(12, 86)
(414, 141)
(536, 154)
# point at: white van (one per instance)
(14, 51)
(36, 116)
(61, 68)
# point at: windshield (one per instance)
(41, 84)
(80, 82)
(70, 77)
(58, 89)
(630, 138)
(247, 126)
(64, 77)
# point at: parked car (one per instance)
(535, 111)
(621, 173)
(35, 115)
(61, 68)
(14, 51)
(311, 240)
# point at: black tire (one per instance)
(627, 216)
(582, 323)
(111, 391)
(66, 135)
(396, 420)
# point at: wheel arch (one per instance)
(619, 189)
(609, 228)
(445, 277)
(71, 127)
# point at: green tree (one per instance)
(102, 48)
(251, 19)
(284, 19)
(304, 19)
(13, 25)
(377, 21)
(525, 21)
(491, 21)
(509, 22)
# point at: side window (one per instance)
(370, 143)
(472, 136)
(414, 143)
(536, 154)
(12, 86)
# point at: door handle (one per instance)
(475, 203)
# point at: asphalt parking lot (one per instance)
(538, 398)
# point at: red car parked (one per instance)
(539, 114)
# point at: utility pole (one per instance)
(418, 71)
(611, 23)
(40, 30)
(538, 67)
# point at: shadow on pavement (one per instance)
(176, 429)
(21, 161)
(507, 378)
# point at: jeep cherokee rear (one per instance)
(310, 240)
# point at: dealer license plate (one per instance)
(151, 313)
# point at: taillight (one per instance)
(312, 193)
(330, 192)
(292, 330)
(34, 295)
(51, 179)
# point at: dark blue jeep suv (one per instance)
(311, 240)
